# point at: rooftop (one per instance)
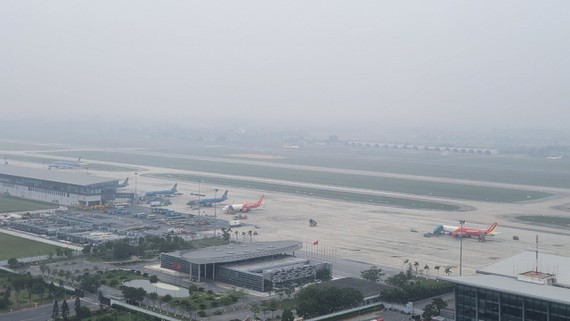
(273, 264)
(526, 261)
(236, 252)
(59, 176)
(513, 286)
(519, 275)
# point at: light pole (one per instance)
(199, 195)
(136, 197)
(215, 212)
(461, 222)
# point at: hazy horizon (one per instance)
(326, 64)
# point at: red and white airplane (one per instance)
(244, 207)
(458, 231)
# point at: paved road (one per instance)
(43, 313)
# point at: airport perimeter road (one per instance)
(40, 313)
(43, 313)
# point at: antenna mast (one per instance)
(536, 253)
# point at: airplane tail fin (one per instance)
(174, 187)
(225, 196)
(492, 230)
(260, 202)
(126, 182)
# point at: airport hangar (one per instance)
(60, 187)
(253, 266)
(524, 287)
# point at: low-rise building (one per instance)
(529, 286)
(258, 266)
(54, 186)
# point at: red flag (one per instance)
(316, 242)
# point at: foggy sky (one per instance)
(436, 63)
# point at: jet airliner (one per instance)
(208, 201)
(64, 164)
(244, 207)
(125, 183)
(458, 231)
(168, 192)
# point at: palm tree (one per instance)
(250, 233)
(43, 268)
(255, 309)
(153, 296)
(416, 265)
(68, 275)
(448, 270)
(237, 234)
(406, 261)
(437, 267)
(64, 310)
(426, 271)
(243, 234)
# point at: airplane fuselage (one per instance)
(208, 201)
(244, 207)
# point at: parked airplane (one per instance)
(208, 201)
(168, 192)
(123, 184)
(244, 207)
(458, 231)
(63, 164)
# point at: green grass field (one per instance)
(408, 186)
(17, 247)
(14, 204)
(552, 221)
(500, 169)
(321, 193)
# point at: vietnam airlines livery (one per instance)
(125, 183)
(208, 201)
(65, 164)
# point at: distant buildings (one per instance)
(525, 287)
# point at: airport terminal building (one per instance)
(60, 187)
(525, 287)
(254, 266)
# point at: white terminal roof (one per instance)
(237, 252)
(523, 262)
(72, 178)
(502, 277)
(515, 287)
